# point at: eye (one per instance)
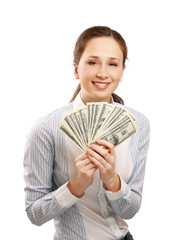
(92, 63)
(113, 64)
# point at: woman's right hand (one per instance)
(84, 178)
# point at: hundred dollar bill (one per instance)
(97, 110)
(124, 118)
(78, 124)
(71, 121)
(119, 134)
(90, 114)
(71, 134)
(94, 118)
(83, 122)
(115, 116)
(101, 120)
(104, 110)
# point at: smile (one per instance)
(101, 85)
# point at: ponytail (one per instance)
(75, 93)
(116, 98)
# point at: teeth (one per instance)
(101, 84)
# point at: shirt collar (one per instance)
(79, 103)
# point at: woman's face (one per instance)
(100, 69)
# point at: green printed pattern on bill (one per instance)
(85, 125)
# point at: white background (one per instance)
(36, 77)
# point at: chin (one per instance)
(103, 98)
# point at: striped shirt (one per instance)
(49, 164)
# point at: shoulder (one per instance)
(57, 114)
(49, 123)
(141, 119)
(143, 133)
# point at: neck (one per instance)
(110, 100)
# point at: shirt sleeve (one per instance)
(42, 203)
(127, 201)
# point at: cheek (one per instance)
(86, 73)
(117, 76)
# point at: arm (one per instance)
(42, 203)
(84, 178)
(126, 202)
(124, 198)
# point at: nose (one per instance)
(102, 72)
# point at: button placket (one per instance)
(105, 213)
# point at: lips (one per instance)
(101, 85)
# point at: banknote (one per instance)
(99, 120)
(71, 135)
(119, 133)
(103, 111)
(93, 110)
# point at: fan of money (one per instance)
(85, 125)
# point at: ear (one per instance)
(76, 70)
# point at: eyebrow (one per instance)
(112, 58)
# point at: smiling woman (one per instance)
(100, 69)
(95, 34)
(95, 190)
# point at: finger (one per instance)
(91, 167)
(95, 155)
(81, 157)
(107, 144)
(104, 152)
(92, 170)
(83, 162)
(97, 163)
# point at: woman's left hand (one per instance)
(104, 157)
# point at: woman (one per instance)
(88, 194)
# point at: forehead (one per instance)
(103, 46)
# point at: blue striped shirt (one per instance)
(49, 165)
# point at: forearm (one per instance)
(84, 177)
(50, 206)
(114, 185)
(126, 202)
(76, 188)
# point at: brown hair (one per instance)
(88, 34)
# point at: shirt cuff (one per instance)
(116, 195)
(64, 197)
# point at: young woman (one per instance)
(88, 194)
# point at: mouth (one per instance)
(101, 85)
